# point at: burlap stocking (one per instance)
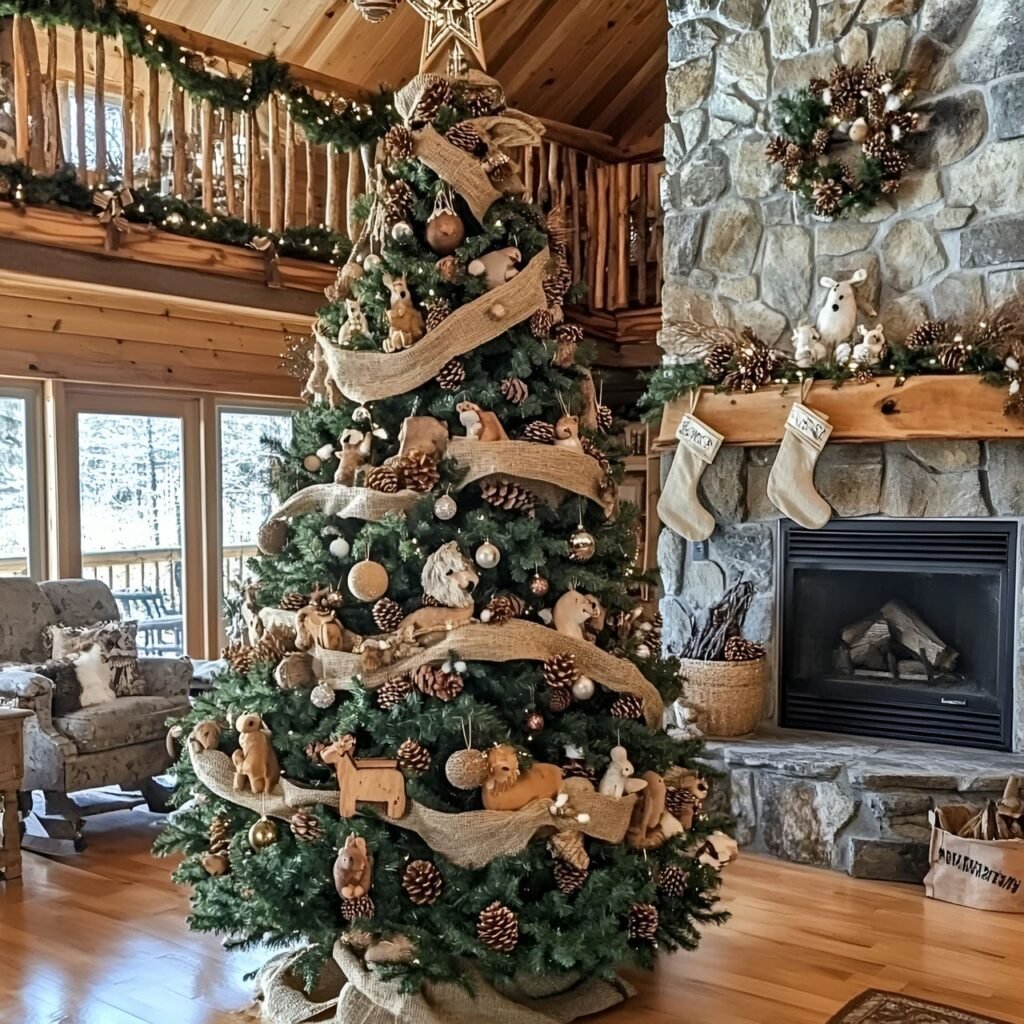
(791, 481)
(679, 508)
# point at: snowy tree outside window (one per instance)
(13, 487)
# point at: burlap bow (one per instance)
(267, 247)
(112, 206)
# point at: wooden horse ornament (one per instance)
(371, 780)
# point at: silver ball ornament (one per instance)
(583, 688)
(402, 231)
(371, 262)
(339, 547)
(582, 545)
(445, 507)
(321, 696)
(487, 555)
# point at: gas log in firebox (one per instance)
(900, 628)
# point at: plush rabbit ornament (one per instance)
(871, 347)
(355, 324)
(404, 319)
(808, 348)
(838, 315)
(618, 777)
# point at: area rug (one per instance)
(875, 1007)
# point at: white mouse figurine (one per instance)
(808, 348)
(838, 315)
(869, 350)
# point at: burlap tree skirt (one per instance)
(365, 998)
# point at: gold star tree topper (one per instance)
(453, 20)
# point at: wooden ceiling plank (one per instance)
(628, 94)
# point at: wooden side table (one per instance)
(11, 772)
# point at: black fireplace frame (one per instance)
(847, 707)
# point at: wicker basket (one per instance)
(728, 696)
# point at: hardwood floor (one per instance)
(101, 939)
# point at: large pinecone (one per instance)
(953, 356)
(628, 706)
(605, 418)
(438, 310)
(826, 195)
(756, 364)
(498, 927)
(775, 149)
(560, 672)
(393, 692)
(515, 390)
(306, 827)
(672, 881)
(387, 614)
(539, 432)
(569, 879)
(559, 700)
(465, 137)
(361, 907)
(384, 479)
(738, 648)
(503, 608)
(398, 142)
(241, 657)
(557, 284)
(716, 362)
(293, 601)
(398, 201)
(417, 471)
(433, 98)
(452, 375)
(435, 683)
(414, 757)
(643, 922)
(220, 835)
(509, 495)
(927, 334)
(541, 324)
(422, 882)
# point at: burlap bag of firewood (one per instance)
(977, 857)
(364, 997)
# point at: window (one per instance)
(115, 132)
(15, 512)
(246, 495)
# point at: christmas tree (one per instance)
(437, 759)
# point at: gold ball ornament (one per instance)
(539, 586)
(467, 769)
(445, 233)
(487, 556)
(582, 545)
(262, 834)
(368, 580)
(312, 463)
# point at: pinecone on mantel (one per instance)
(498, 927)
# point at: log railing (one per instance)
(79, 97)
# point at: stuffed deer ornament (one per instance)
(808, 348)
(838, 315)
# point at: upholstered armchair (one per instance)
(120, 743)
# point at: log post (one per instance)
(100, 110)
(601, 255)
(228, 139)
(622, 246)
(530, 193)
(333, 187)
(351, 192)
(310, 155)
(206, 144)
(22, 138)
(257, 169)
(153, 128)
(590, 195)
(179, 161)
(83, 170)
(554, 156)
(289, 168)
(54, 143)
(249, 135)
(542, 174)
(128, 115)
(276, 165)
(574, 192)
(642, 235)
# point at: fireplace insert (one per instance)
(900, 628)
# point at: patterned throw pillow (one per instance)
(118, 645)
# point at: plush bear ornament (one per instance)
(838, 315)
(255, 762)
(353, 869)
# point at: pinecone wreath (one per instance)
(628, 706)
(560, 672)
(414, 757)
(569, 879)
(672, 881)
(926, 335)
(539, 432)
(436, 683)
(643, 922)
(515, 390)
(417, 471)
(738, 648)
(503, 608)
(452, 375)
(509, 495)
(361, 907)
(293, 601)
(393, 692)
(387, 614)
(398, 142)
(307, 828)
(422, 882)
(498, 928)
(383, 479)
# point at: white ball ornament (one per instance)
(583, 688)
(340, 548)
(445, 507)
(321, 696)
(371, 262)
(402, 231)
(487, 555)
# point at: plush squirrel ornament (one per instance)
(255, 762)
(480, 424)
(496, 267)
(353, 869)
(404, 319)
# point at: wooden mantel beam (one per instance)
(938, 408)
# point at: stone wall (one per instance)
(951, 238)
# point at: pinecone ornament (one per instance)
(894, 163)
(220, 835)
(926, 335)
(503, 608)
(383, 479)
(436, 683)
(414, 757)
(954, 355)
(628, 706)
(393, 692)
(717, 361)
(672, 881)
(576, 769)
(498, 928)
(361, 907)
(539, 432)
(515, 390)
(465, 137)
(559, 700)
(568, 878)
(449, 269)
(675, 801)
(820, 140)
(876, 145)
(452, 375)
(541, 323)
(591, 449)
(643, 922)
(435, 96)
(775, 149)
(294, 601)
(738, 648)
(826, 195)
(756, 364)
(241, 657)
(509, 495)
(398, 142)
(422, 882)
(560, 672)
(387, 614)
(438, 310)
(307, 828)
(417, 471)
(398, 201)
(605, 418)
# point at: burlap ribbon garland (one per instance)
(364, 997)
(516, 640)
(561, 469)
(369, 376)
(458, 168)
